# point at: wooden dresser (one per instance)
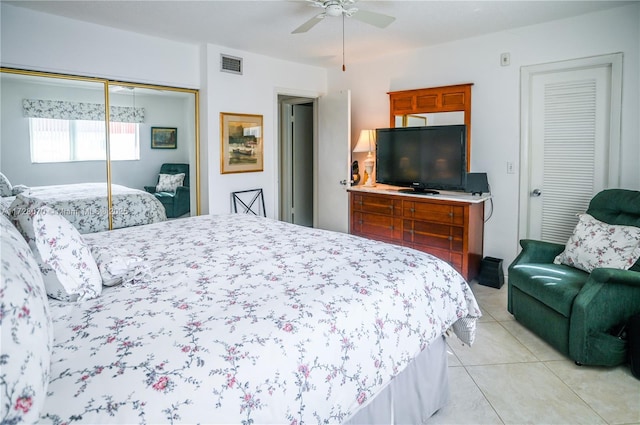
(449, 226)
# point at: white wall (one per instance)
(44, 42)
(496, 96)
(254, 92)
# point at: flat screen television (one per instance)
(426, 159)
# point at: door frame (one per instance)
(294, 96)
(527, 73)
(285, 141)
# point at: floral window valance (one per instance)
(65, 110)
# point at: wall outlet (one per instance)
(511, 169)
(505, 59)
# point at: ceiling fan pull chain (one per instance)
(344, 68)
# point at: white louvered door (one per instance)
(569, 135)
(569, 141)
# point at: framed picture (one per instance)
(240, 143)
(164, 138)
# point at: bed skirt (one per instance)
(415, 394)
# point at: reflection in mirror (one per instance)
(55, 147)
(162, 160)
(53, 143)
(436, 118)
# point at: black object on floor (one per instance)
(491, 273)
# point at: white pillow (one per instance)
(596, 244)
(70, 273)
(118, 267)
(169, 182)
(18, 189)
(5, 186)
(26, 330)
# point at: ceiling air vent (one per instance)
(231, 64)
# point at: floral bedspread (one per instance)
(85, 205)
(248, 320)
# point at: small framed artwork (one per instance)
(164, 138)
(240, 143)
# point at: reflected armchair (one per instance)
(176, 203)
(579, 312)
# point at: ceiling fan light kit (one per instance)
(337, 8)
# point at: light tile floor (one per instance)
(510, 376)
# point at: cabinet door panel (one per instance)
(426, 101)
(402, 104)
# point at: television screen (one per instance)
(424, 158)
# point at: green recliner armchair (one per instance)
(175, 203)
(574, 311)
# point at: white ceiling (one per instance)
(265, 26)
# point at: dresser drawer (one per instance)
(437, 212)
(435, 235)
(376, 204)
(455, 259)
(377, 226)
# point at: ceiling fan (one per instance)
(342, 8)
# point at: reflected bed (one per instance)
(85, 205)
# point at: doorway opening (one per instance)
(297, 160)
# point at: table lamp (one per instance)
(367, 143)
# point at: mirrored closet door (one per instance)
(55, 143)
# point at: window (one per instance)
(61, 140)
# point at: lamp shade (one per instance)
(366, 141)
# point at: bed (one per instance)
(85, 205)
(238, 319)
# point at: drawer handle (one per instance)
(412, 210)
(390, 207)
(411, 232)
(360, 222)
(450, 238)
(450, 214)
(390, 227)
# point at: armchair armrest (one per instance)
(616, 276)
(150, 189)
(608, 299)
(534, 251)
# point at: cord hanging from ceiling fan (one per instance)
(344, 68)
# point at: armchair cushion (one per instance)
(595, 244)
(555, 285)
(169, 182)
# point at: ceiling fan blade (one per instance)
(376, 19)
(309, 24)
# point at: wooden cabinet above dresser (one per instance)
(448, 227)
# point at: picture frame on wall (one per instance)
(241, 147)
(164, 138)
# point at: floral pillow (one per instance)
(26, 331)
(19, 188)
(5, 186)
(596, 244)
(169, 182)
(70, 272)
